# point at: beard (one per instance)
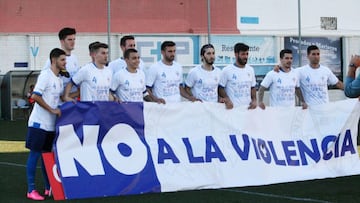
(210, 62)
(315, 61)
(170, 58)
(242, 62)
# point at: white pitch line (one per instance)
(229, 190)
(14, 164)
(277, 196)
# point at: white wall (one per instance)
(280, 17)
(35, 48)
(21, 48)
(12, 48)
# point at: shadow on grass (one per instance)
(13, 130)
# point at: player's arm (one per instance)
(187, 94)
(276, 68)
(146, 96)
(75, 94)
(301, 97)
(224, 98)
(253, 102)
(39, 100)
(261, 97)
(153, 98)
(340, 85)
(112, 97)
(67, 94)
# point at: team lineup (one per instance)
(126, 80)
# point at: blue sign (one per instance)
(34, 51)
(330, 51)
(104, 150)
(249, 20)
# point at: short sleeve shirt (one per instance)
(94, 82)
(129, 86)
(282, 87)
(203, 83)
(314, 83)
(165, 81)
(238, 83)
(50, 88)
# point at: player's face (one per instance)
(286, 61)
(314, 57)
(209, 56)
(242, 57)
(68, 43)
(133, 61)
(129, 44)
(60, 62)
(101, 56)
(169, 54)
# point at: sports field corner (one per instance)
(13, 157)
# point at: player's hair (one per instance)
(56, 53)
(92, 44)
(167, 44)
(124, 38)
(204, 48)
(240, 47)
(285, 51)
(128, 52)
(63, 33)
(95, 46)
(312, 47)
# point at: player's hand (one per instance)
(253, 105)
(56, 112)
(160, 101)
(116, 99)
(194, 99)
(276, 68)
(304, 105)
(262, 105)
(228, 103)
(67, 99)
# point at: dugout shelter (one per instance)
(14, 88)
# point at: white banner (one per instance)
(149, 147)
(203, 145)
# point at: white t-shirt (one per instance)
(72, 66)
(282, 87)
(314, 83)
(120, 64)
(94, 82)
(165, 81)
(49, 87)
(129, 86)
(203, 83)
(238, 83)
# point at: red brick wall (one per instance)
(127, 16)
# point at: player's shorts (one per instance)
(39, 140)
